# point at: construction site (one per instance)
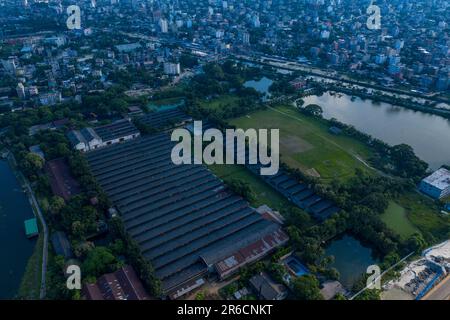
(420, 277)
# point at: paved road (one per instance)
(440, 292)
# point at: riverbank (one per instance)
(37, 261)
(30, 285)
(15, 248)
(378, 97)
(425, 133)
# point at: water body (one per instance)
(351, 259)
(428, 134)
(262, 85)
(165, 107)
(15, 248)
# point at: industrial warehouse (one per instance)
(298, 193)
(187, 223)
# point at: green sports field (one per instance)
(306, 144)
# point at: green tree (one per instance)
(313, 110)
(416, 243)
(306, 288)
(99, 260)
(56, 204)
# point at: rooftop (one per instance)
(439, 179)
(177, 214)
(31, 228)
(116, 130)
(123, 284)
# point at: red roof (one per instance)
(123, 284)
(251, 252)
(62, 182)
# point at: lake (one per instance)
(15, 247)
(351, 259)
(262, 85)
(428, 134)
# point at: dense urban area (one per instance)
(91, 91)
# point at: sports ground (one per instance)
(306, 144)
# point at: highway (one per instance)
(440, 292)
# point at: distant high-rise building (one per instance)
(164, 25)
(255, 21)
(394, 60)
(246, 38)
(20, 89)
(172, 68)
(10, 65)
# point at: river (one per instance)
(428, 134)
(15, 248)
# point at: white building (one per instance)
(164, 25)
(172, 68)
(20, 91)
(437, 185)
(88, 139)
(246, 38)
(50, 98)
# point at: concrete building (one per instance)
(164, 25)
(172, 68)
(266, 288)
(184, 219)
(437, 185)
(20, 89)
(124, 284)
(88, 139)
(50, 98)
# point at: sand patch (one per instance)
(295, 144)
(313, 173)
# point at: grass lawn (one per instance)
(425, 215)
(31, 281)
(264, 193)
(306, 144)
(396, 218)
(219, 102)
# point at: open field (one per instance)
(396, 218)
(264, 193)
(306, 144)
(219, 102)
(425, 215)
